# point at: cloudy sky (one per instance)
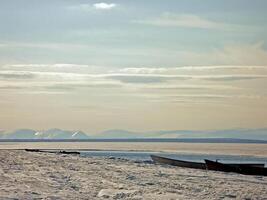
(137, 65)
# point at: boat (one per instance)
(197, 165)
(69, 152)
(56, 152)
(258, 171)
(32, 150)
(246, 169)
(217, 166)
(179, 163)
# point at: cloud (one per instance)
(16, 75)
(186, 85)
(104, 6)
(61, 69)
(158, 78)
(234, 77)
(220, 99)
(186, 21)
(161, 78)
(139, 78)
(41, 45)
(191, 80)
(53, 86)
(245, 54)
(11, 87)
(128, 77)
(153, 75)
(214, 96)
(220, 67)
(159, 70)
(91, 7)
(204, 98)
(85, 85)
(63, 65)
(43, 92)
(47, 67)
(189, 87)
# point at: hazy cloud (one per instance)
(189, 87)
(16, 75)
(214, 96)
(97, 6)
(74, 86)
(166, 75)
(63, 65)
(245, 54)
(11, 87)
(104, 6)
(185, 20)
(139, 78)
(234, 77)
(151, 70)
(41, 45)
(154, 78)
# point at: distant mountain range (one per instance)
(258, 134)
(58, 134)
(48, 134)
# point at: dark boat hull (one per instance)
(70, 152)
(217, 166)
(56, 152)
(198, 165)
(253, 171)
(178, 163)
(241, 169)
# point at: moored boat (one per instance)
(217, 166)
(200, 165)
(253, 171)
(69, 152)
(178, 163)
(54, 151)
(246, 169)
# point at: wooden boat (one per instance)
(247, 169)
(32, 150)
(195, 165)
(217, 166)
(179, 163)
(70, 152)
(259, 165)
(258, 171)
(57, 152)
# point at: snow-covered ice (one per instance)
(29, 175)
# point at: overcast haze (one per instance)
(136, 65)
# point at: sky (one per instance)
(136, 65)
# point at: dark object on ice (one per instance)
(58, 152)
(217, 166)
(70, 152)
(199, 165)
(179, 163)
(32, 150)
(258, 165)
(247, 169)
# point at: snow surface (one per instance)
(29, 175)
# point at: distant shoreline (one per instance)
(167, 140)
